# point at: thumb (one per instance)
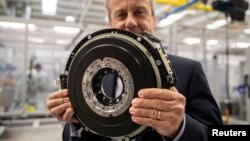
(173, 89)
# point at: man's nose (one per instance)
(130, 22)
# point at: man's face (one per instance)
(132, 15)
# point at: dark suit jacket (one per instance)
(201, 108)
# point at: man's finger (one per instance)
(59, 94)
(157, 104)
(173, 89)
(59, 110)
(68, 115)
(56, 102)
(157, 93)
(147, 121)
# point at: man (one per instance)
(186, 111)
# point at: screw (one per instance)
(89, 37)
(158, 62)
(138, 39)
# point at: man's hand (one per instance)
(60, 107)
(161, 109)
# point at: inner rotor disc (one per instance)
(112, 87)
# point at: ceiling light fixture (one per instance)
(12, 25)
(242, 45)
(16, 26)
(247, 31)
(66, 30)
(32, 27)
(212, 42)
(49, 7)
(36, 40)
(192, 41)
(174, 18)
(70, 19)
(63, 42)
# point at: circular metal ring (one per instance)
(159, 115)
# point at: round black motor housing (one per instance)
(104, 73)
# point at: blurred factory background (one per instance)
(36, 37)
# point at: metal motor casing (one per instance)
(138, 61)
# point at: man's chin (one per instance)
(138, 33)
(135, 32)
